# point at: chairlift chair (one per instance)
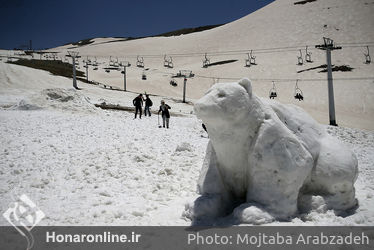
(206, 61)
(140, 62)
(308, 55)
(111, 62)
(367, 56)
(248, 61)
(273, 92)
(173, 83)
(165, 61)
(107, 70)
(252, 59)
(170, 65)
(298, 93)
(300, 59)
(95, 62)
(116, 64)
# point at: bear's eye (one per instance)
(221, 94)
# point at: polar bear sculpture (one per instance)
(266, 153)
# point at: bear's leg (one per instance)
(214, 200)
(335, 174)
(279, 165)
(206, 208)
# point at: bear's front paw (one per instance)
(205, 208)
(251, 213)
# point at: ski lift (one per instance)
(206, 61)
(308, 55)
(116, 64)
(140, 62)
(248, 61)
(107, 70)
(251, 60)
(110, 61)
(298, 93)
(168, 63)
(144, 76)
(273, 92)
(95, 62)
(173, 83)
(300, 58)
(367, 56)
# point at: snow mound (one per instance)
(270, 154)
(184, 146)
(25, 105)
(308, 203)
(57, 98)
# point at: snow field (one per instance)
(86, 166)
(103, 168)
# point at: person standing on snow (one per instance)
(164, 109)
(138, 103)
(148, 104)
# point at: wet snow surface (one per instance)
(105, 168)
(102, 168)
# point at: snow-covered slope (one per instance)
(85, 166)
(280, 24)
(90, 42)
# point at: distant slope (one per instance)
(186, 31)
(178, 32)
(281, 24)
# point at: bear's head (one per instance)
(225, 103)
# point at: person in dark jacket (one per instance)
(164, 109)
(138, 103)
(148, 104)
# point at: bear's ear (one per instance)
(245, 83)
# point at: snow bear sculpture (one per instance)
(266, 153)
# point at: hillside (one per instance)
(281, 24)
(69, 156)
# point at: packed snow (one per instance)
(83, 165)
(86, 166)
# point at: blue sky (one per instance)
(50, 23)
